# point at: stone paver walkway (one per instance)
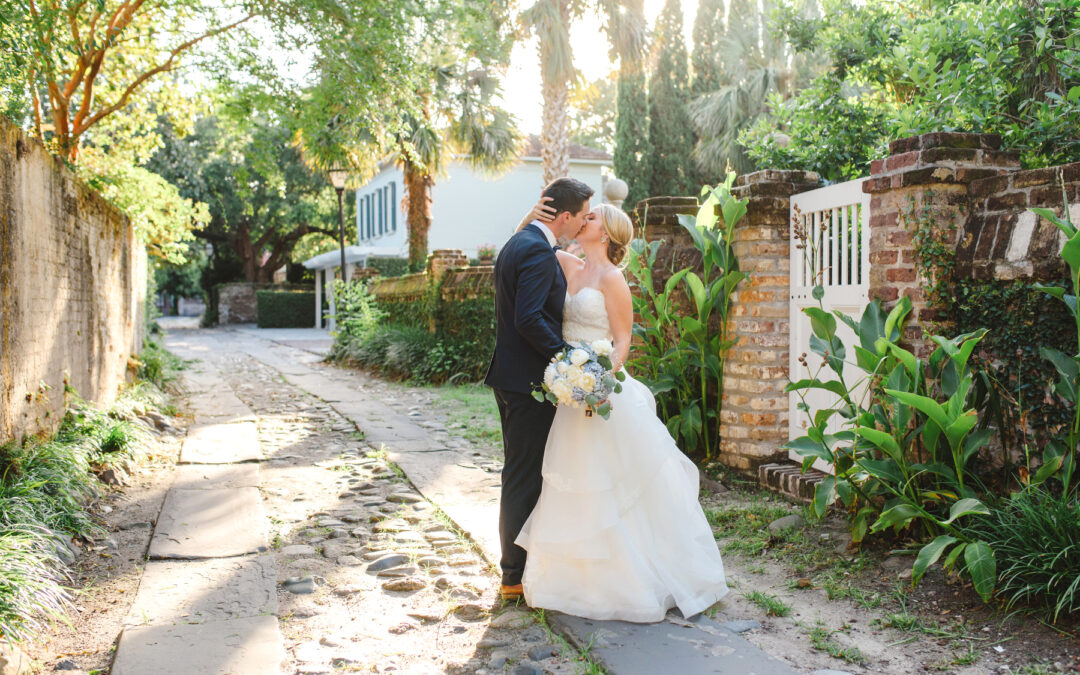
(207, 600)
(449, 475)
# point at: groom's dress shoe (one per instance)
(512, 592)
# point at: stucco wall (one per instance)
(469, 209)
(72, 289)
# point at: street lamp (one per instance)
(338, 174)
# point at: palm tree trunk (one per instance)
(418, 185)
(554, 141)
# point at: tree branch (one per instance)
(154, 71)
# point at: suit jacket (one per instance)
(530, 290)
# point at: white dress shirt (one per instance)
(547, 232)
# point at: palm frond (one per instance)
(557, 60)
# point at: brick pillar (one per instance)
(923, 176)
(444, 259)
(754, 421)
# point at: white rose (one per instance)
(579, 356)
(588, 382)
(549, 375)
(602, 347)
(563, 367)
(562, 391)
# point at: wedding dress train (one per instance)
(618, 532)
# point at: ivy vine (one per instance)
(935, 249)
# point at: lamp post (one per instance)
(337, 179)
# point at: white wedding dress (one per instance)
(618, 532)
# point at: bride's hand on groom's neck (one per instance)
(540, 211)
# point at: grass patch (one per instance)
(821, 638)
(45, 488)
(746, 528)
(770, 603)
(585, 662)
(473, 406)
(158, 365)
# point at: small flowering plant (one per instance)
(485, 251)
(581, 377)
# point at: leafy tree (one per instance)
(993, 66)
(840, 130)
(756, 62)
(263, 198)
(593, 112)
(445, 107)
(709, 31)
(550, 20)
(633, 152)
(670, 131)
(84, 61)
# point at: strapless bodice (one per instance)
(585, 316)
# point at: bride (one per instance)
(618, 532)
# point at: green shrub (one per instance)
(286, 309)
(357, 310)
(1036, 540)
(410, 312)
(45, 486)
(389, 267)
(157, 364)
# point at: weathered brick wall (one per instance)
(753, 424)
(72, 289)
(460, 281)
(926, 177)
(238, 302)
(1004, 239)
(754, 421)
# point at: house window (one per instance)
(379, 194)
(394, 207)
(371, 213)
(360, 217)
(382, 213)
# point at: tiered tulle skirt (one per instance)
(618, 532)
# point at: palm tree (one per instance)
(550, 19)
(754, 62)
(457, 117)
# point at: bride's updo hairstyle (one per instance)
(619, 230)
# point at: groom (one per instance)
(530, 290)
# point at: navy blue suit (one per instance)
(530, 291)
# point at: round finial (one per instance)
(616, 190)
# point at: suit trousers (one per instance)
(525, 426)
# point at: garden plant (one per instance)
(684, 330)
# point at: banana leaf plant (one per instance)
(1059, 458)
(900, 436)
(683, 333)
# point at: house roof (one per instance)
(532, 149)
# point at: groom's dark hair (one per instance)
(567, 194)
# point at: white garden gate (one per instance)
(837, 221)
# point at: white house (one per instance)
(467, 209)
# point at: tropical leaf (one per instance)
(929, 555)
(982, 567)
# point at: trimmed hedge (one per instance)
(389, 267)
(286, 309)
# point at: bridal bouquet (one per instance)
(581, 376)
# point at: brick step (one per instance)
(788, 479)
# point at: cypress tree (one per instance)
(669, 124)
(633, 153)
(708, 35)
